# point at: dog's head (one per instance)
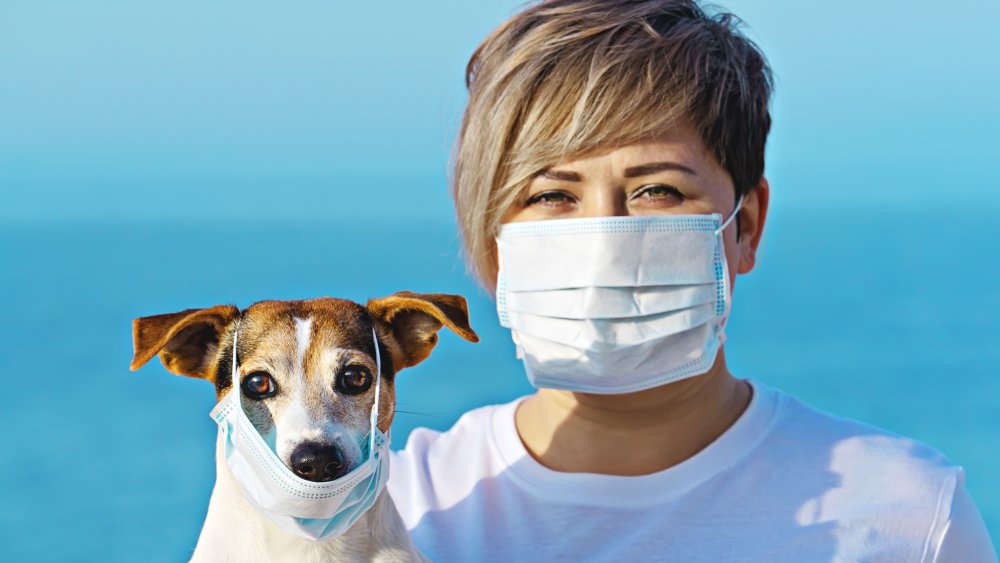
(307, 368)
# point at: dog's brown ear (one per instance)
(185, 341)
(414, 320)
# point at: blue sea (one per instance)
(888, 317)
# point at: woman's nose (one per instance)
(603, 202)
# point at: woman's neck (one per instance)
(635, 433)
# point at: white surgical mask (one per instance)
(313, 510)
(615, 304)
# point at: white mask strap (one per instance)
(378, 388)
(736, 211)
(234, 376)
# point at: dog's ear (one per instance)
(414, 320)
(186, 341)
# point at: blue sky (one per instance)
(120, 110)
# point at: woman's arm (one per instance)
(965, 537)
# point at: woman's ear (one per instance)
(413, 320)
(752, 218)
(186, 341)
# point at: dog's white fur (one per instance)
(234, 531)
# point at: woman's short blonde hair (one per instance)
(565, 77)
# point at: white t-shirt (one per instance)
(785, 483)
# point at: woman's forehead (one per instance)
(678, 156)
(679, 145)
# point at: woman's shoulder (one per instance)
(436, 467)
(470, 433)
(854, 471)
(869, 479)
(848, 443)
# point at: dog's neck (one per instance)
(235, 531)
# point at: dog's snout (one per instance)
(318, 462)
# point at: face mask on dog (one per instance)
(614, 304)
(313, 510)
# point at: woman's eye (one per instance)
(658, 192)
(549, 198)
(259, 385)
(354, 379)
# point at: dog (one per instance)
(308, 365)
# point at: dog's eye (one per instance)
(259, 385)
(354, 379)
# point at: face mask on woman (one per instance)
(615, 304)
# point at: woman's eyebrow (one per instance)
(562, 175)
(654, 167)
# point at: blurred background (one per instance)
(161, 156)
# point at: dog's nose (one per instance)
(318, 462)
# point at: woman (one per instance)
(609, 185)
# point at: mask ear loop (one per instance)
(234, 375)
(732, 216)
(378, 389)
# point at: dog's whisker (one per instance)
(414, 412)
(384, 418)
